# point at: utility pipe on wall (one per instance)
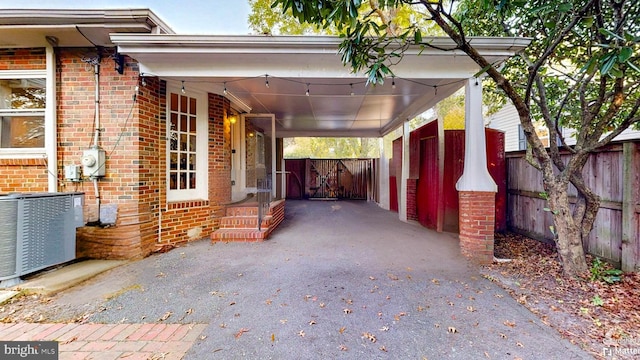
(96, 136)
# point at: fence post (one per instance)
(630, 204)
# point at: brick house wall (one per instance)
(133, 136)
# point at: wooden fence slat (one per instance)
(630, 257)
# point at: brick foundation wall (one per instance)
(477, 225)
(412, 204)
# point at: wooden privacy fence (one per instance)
(613, 173)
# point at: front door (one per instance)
(253, 153)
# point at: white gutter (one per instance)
(279, 44)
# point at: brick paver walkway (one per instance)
(109, 341)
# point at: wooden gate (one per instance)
(329, 178)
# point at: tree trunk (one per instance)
(568, 233)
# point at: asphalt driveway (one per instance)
(341, 280)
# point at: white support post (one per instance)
(383, 177)
(475, 176)
(402, 200)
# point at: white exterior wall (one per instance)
(506, 119)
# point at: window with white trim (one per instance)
(22, 111)
(187, 175)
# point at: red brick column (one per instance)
(412, 209)
(477, 225)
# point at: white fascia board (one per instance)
(313, 44)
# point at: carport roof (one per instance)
(339, 102)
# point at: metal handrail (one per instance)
(264, 198)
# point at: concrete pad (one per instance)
(67, 276)
(7, 294)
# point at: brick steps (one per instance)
(244, 222)
(241, 223)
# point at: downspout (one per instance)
(96, 135)
(50, 137)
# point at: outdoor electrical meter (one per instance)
(93, 162)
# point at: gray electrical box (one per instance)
(93, 162)
(72, 172)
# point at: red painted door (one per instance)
(427, 191)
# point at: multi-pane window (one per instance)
(22, 112)
(182, 142)
(522, 139)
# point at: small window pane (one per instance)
(183, 161)
(173, 165)
(192, 180)
(183, 142)
(173, 181)
(173, 141)
(174, 122)
(192, 143)
(183, 180)
(192, 108)
(183, 123)
(22, 132)
(22, 93)
(174, 102)
(192, 124)
(183, 104)
(192, 162)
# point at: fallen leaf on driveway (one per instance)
(165, 316)
(240, 332)
(369, 336)
(509, 323)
